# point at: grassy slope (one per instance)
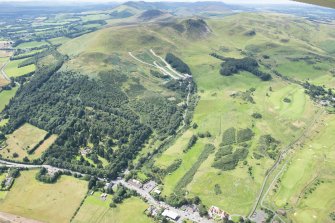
(46, 202)
(96, 210)
(216, 110)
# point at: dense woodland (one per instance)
(177, 63)
(85, 111)
(232, 66)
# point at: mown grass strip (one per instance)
(188, 177)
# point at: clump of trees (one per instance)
(43, 176)
(244, 135)
(230, 161)
(121, 194)
(191, 143)
(233, 148)
(319, 93)
(269, 146)
(232, 66)
(229, 137)
(177, 63)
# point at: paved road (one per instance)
(150, 200)
(168, 65)
(193, 216)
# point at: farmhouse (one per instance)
(170, 214)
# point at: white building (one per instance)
(170, 214)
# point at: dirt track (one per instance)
(10, 218)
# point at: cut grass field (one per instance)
(12, 69)
(5, 97)
(95, 210)
(45, 202)
(23, 139)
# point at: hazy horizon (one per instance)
(121, 1)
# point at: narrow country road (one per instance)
(3, 71)
(184, 215)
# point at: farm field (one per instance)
(5, 97)
(45, 202)
(24, 139)
(94, 209)
(12, 69)
(31, 44)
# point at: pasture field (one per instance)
(59, 40)
(24, 139)
(5, 97)
(12, 69)
(96, 210)
(31, 44)
(45, 202)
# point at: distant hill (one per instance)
(191, 28)
(182, 8)
(196, 28)
(151, 14)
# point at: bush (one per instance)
(257, 115)
(287, 100)
(217, 189)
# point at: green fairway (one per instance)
(313, 163)
(12, 69)
(45, 202)
(96, 210)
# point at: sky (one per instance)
(226, 1)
